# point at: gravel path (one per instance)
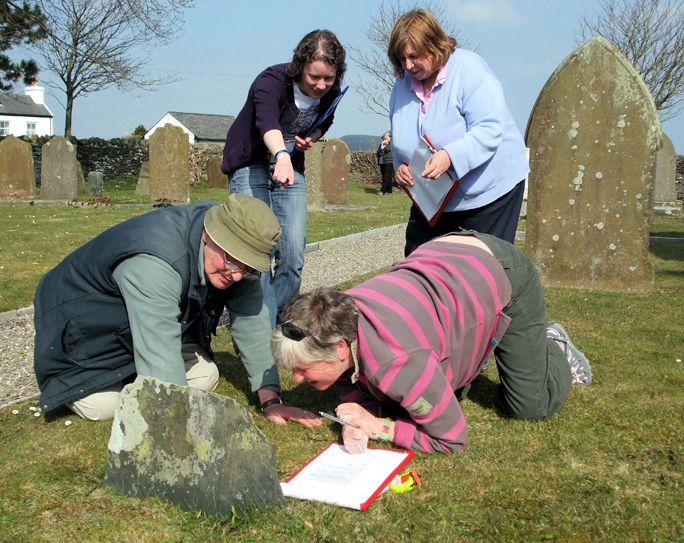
(326, 263)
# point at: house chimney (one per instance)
(36, 93)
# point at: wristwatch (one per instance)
(275, 156)
(269, 403)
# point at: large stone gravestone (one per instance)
(59, 171)
(216, 179)
(592, 134)
(198, 450)
(95, 179)
(335, 163)
(169, 165)
(665, 189)
(17, 177)
(142, 187)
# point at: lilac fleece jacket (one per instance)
(468, 118)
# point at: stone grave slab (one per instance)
(59, 171)
(169, 165)
(17, 176)
(216, 179)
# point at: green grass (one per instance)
(609, 467)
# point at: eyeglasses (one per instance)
(232, 266)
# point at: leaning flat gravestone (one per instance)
(593, 134)
(197, 450)
(17, 177)
(169, 165)
(665, 189)
(335, 163)
(142, 187)
(313, 169)
(216, 179)
(59, 173)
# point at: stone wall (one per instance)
(119, 157)
(364, 168)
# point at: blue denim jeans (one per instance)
(289, 206)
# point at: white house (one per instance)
(200, 127)
(25, 114)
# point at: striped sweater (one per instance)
(425, 330)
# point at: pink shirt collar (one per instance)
(426, 97)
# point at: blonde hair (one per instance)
(421, 30)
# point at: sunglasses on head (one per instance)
(294, 332)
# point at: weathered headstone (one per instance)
(59, 173)
(95, 183)
(313, 168)
(592, 134)
(83, 189)
(216, 179)
(198, 450)
(142, 187)
(17, 178)
(169, 165)
(665, 189)
(335, 162)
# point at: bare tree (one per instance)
(373, 60)
(93, 44)
(650, 33)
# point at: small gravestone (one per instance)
(197, 450)
(17, 177)
(95, 183)
(83, 189)
(169, 165)
(142, 187)
(335, 164)
(216, 179)
(59, 173)
(665, 188)
(313, 169)
(592, 134)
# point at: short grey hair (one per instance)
(328, 315)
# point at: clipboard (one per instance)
(430, 196)
(328, 112)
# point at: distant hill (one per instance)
(358, 142)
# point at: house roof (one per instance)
(21, 104)
(205, 126)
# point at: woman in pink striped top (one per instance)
(402, 347)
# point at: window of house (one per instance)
(4, 128)
(30, 129)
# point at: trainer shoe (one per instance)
(579, 365)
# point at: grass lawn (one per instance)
(608, 467)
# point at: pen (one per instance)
(344, 422)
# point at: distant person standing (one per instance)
(384, 154)
(264, 152)
(452, 96)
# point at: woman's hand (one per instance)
(283, 172)
(303, 144)
(356, 439)
(281, 413)
(402, 176)
(437, 165)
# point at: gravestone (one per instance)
(665, 186)
(198, 450)
(142, 187)
(216, 179)
(592, 134)
(335, 164)
(313, 169)
(17, 177)
(169, 165)
(59, 172)
(95, 183)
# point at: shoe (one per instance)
(579, 365)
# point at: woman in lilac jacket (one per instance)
(454, 98)
(264, 151)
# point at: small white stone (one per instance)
(67, 423)
(679, 360)
(612, 246)
(599, 175)
(15, 411)
(36, 414)
(32, 408)
(555, 237)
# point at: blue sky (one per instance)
(226, 43)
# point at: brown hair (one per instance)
(328, 315)
(421, 30)
(318, 45)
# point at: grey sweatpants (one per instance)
(534, 372)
